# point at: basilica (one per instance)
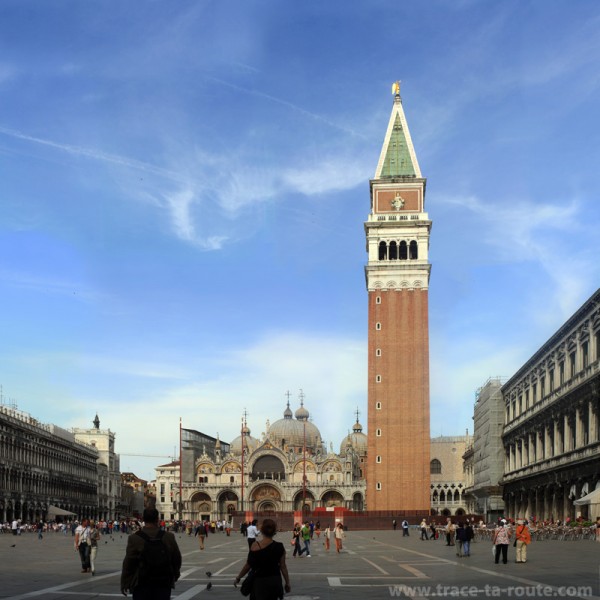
(288, 469)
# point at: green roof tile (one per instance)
(397, 161)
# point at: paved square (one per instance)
(374, 564)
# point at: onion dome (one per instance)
(302, 414)
(357, 439)
(249, 442)
(287, 413)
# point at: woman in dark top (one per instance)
(267, 559)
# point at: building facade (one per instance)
(288, 469)
(42, 466)
(551, 414)
(397, 278)
(484, 462)
(448, 479)
(109, 475)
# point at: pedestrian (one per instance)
(318, 529)
(266, 558)
(394, 524)
(82, 545)
(326, 535)
(152, 561)
(424, 530)
(40, 530)
(339, 537)
(450, 532)
(94, 539)
(461, 538)
(500, 540)
(252, 533)
(305, 533)
(405, 528)
(296, 536)
(469, 534)
(201, 533)
(522, 540)
(434, 533)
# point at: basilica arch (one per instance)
(304, 502)
(201, 506)
(266, 498)
(268, 466)
(332, 498)
(227, 504)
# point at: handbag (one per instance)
(248, 583)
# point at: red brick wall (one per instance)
(404, 445)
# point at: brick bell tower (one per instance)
(397, 277)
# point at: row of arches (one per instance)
(399, 251)
(267, 498)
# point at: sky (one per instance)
(183, 187)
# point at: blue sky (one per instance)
(183, 188)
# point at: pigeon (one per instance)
(208, 585)
(13, 545)
(208, 573)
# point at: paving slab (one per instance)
(373, 564)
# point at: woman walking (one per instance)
(298, 550)
(266, 558)
(94, 539)
(501, 540)
(326, 535)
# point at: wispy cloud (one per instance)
(75, 290)
(94, 154)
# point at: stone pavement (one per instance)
(374, 564)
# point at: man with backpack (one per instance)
(152, 561)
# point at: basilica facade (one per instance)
(288, 469)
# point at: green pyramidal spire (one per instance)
(398, 158)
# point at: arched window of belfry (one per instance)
(403, 251)
(414, 250)
(393, 251)
(382, 251)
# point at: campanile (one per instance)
(397, 277)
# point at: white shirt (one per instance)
(252, 531)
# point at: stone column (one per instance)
(567, 434)
(556, 437)
(578, 428)
(547, 441)
(592, 422)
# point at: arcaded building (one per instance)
(397, 277)
(448, 478)
(551, 415)
(42, 466)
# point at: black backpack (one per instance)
(155, 561)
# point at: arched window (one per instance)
(393, 251)
(414, 250)
(435, 467)
(403, 251)
(382, 250)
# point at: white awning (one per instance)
(591, 498)
(60, 512)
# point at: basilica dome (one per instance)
(249, 442)
(290, 432)
(357, 439)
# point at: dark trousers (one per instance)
(405, 532)
(151, 593)
(251, 541)
(424, 534)
(84, 554)
(504, 549)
